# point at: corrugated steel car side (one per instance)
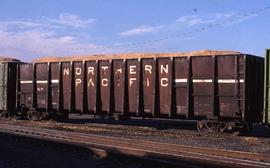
(222, 87)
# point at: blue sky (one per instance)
(34, 28)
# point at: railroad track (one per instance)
(105, 127)
(162, 152)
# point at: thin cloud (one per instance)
(192, 20)
(67, 19)
(180, 24)
(63, 20)
(38, 43)
(141, 30)
(22, 25)
(41, 37)
(19, 24)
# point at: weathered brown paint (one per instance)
(78, 73)
(181, 70)
(133, 85)
(105, 86)
(241, 88)
(202, 70)
(12, 87)
(55, 82)
(8, 86)
(165, 85)
(257, 95)
(190, 87)
(66, 71)
(26, 85)
(118, 86)
(226, 91)
(41, 89)
(149, 87)
(91, 85)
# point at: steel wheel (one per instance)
(33, 116)
(2, 114)
(204, 127)
(5, 115)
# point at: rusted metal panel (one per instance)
(254, 97)
(105, 86)
(149, 86)
(55, 83)
(258, 85)
(41, 89)
(3, 85)
(118, 86)
(240, 89)
(66, 85)
(91, 83)
(242, 74)
(180, 96)
(133, 88)
(267, 87)
(227, 82)
(8, 84)
(165, 85)
(78, 85)
(12, 87)
(26, 85)
(202, 81)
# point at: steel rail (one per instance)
(163, 152)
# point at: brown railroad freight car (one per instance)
(214, 87)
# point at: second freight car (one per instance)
(8, 87)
